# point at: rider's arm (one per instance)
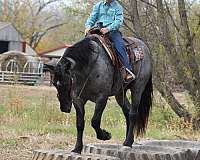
(93, 17)
(118, 20)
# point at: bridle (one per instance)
(71, 78)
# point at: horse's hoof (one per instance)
(125, 148)
(104, 135)
(75, 152)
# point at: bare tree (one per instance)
(154, 22)
(33, 18)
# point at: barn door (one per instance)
(3, 46)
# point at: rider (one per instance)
(110, 13)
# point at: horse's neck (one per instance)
(81, 72)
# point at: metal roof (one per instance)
(55, 52)
(8, 32)
(3, 25)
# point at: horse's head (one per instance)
(63, 82)
(79, 57)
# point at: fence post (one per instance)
(2, 76)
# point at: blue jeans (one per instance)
(119, 45)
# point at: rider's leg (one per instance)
(121, 50)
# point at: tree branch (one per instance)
(37, 36)
(148, 4)
(43, 5)
(171, 17)
(128, 27)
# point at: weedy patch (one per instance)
(30, 118)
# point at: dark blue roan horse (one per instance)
(85, 72)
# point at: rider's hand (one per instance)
(104, 30)
(87, 30)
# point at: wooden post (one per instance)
(24, 47)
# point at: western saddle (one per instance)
(135, 53)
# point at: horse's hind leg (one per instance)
(124, 103)
(96, 119)
(136, 94)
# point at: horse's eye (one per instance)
(58, 83)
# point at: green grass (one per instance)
(10, 142)
(35, 110)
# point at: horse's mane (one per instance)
(80, 51)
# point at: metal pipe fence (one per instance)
(31, 73)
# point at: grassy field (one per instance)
(30, 119)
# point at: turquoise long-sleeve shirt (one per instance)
(111, 14)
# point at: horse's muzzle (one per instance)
(66, 108)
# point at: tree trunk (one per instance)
(167, 94)
(135, 18)
(167, 42)
(192, 65)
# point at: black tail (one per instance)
(144, 108)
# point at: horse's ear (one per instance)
(51, 65)
(71, 63)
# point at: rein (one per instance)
(88, 76)
(79, 95)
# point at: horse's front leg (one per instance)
(96, 119)
(80, 124)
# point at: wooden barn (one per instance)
(10, 39)
(19, 63)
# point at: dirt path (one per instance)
(22, 147)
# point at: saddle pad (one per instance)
(133, 49)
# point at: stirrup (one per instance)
(130, 76)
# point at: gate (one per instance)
(31, 74)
